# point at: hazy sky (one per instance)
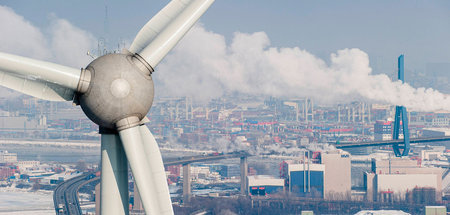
(332, 51)
(382, 28)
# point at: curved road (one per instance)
(66, 194)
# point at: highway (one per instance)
(204, 158)
(392, 142)
(66, 194)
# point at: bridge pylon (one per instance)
(401, 149)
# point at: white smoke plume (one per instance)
(59, 42)
(70, 44)
(204, 66)
(20, 36)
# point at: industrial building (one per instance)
(436, 153)
(225, 170)
(306, 179)
(264, 185)
(338, 179)
(435, 210)
(435, 132)
(7, 157)
(27, 165)
(403, 179)
(382, 130)
(319, 175)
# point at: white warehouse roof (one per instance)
(264, 180)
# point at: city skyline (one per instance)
(57, 28)
(249, 119)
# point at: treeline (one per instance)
(286, 205)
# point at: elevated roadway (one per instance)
(203, 158)
(186, 161)
(391, 142)
(65, 196)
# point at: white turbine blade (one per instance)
(164, 30)
(35, 88)
(157, 24)
(158, 173)
(134, 149)
(45, 72)
(114, 177)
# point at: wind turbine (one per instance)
(116, 92)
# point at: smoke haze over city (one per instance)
(263, 107)
(250, 65)
(204, 66)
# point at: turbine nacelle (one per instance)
(120, 87)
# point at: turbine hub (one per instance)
(120, 88)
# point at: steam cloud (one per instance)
(60, 42)
(204, 66)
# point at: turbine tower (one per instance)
(116, 92)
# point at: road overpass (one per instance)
(186, 162)
(66, 195)
(203, 158)
(390, 142)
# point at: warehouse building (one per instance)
(400, 179)
(435, 132)
(264, 185)
(7, 157)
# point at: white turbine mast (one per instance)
(116, 92)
